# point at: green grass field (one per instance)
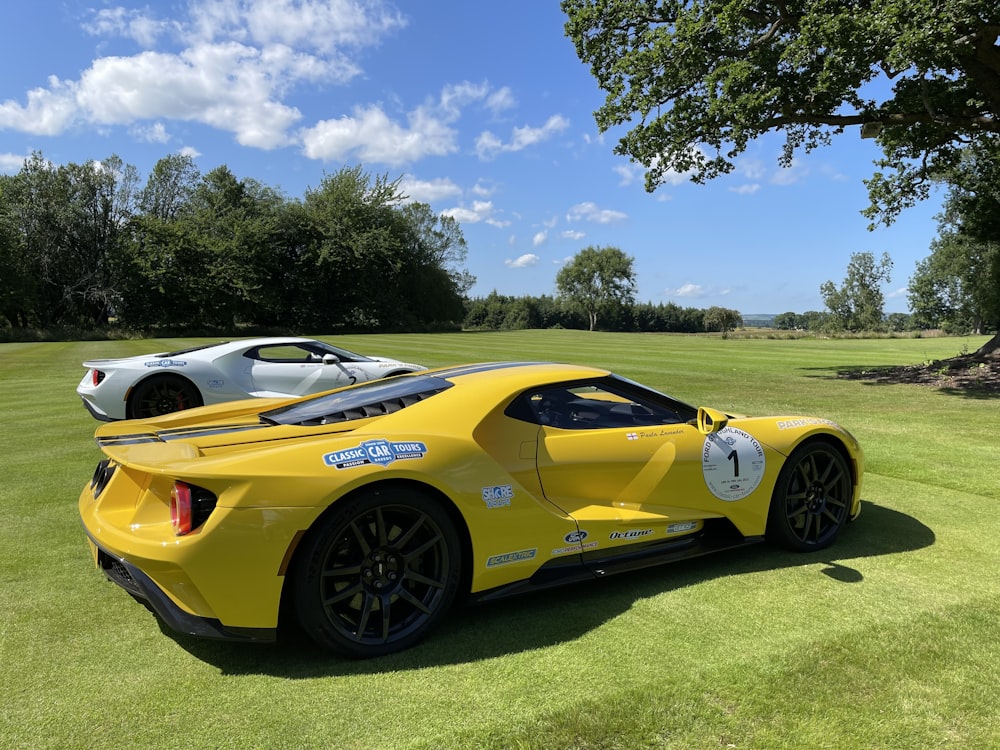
(890, 639)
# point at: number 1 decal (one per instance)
(721, 464)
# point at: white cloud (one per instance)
(501, 100)
(539, 238)
(48, 111)
(489, 145)
(480, 211)
(235, 62)
(627, 173)
(155, 133)
(572, 234)
(323, 25)
(588, 211)
(427, 191)
(129, 23)
(790, 175)
(524, 261)
(483, 191)
(370, 135)
(752, 169)
(11, 163)
(745, 189)
(901, 292)
(688, 290)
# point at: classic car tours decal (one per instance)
(381, 452)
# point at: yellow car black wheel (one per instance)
(812, 498)
(376, 575)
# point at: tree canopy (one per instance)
(596, 280)
(857, 304)
(82, 243)
(697, 80)
(722, 319)
(957, 287)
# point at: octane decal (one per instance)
(381, 452)
(508, 558)
(732, 463)
(631, 534)
(166, 363)
(498, 496)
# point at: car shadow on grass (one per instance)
(555, 616)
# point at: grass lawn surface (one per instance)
(890, 639)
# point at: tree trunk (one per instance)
(990, 346)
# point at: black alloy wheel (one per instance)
(377, 575)
(812, 498)
(162, 394)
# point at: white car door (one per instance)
(296, 371)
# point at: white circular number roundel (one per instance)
(732, 462)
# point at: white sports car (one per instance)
(152, 384)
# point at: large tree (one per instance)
(596, 280)
(697, 80)
(857, 304)
(958, 285)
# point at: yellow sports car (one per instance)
(366, 511)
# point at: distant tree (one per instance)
(434, 264)
(787, 321)
(857, 305)
(814, 320)
(597, 279)
(722, 319)
(169, 187)
(949, 288)
(68, 225)
(899, 322)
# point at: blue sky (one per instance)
(483, 110)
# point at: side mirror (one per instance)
(711, 420)
(330, 359)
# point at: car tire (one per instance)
(377, 575)
(162, 394)
(812, 498)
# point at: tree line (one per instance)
(82, 244)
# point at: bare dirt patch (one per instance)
(969, 373)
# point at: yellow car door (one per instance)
(628, 472)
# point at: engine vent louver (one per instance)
(377, 409)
